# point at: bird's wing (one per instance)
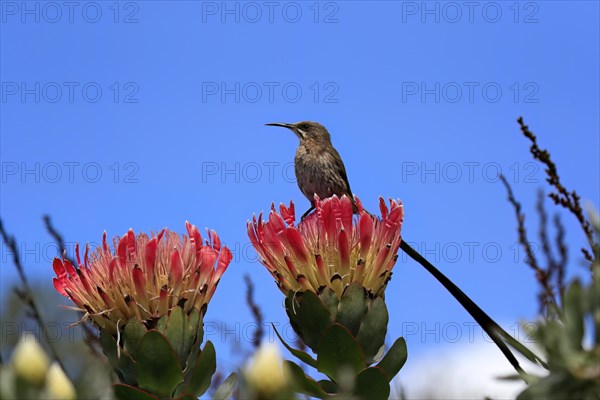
(341, 169)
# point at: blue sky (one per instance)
(146, 114)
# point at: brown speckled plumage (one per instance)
(318, 166)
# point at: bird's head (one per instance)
(307, 131)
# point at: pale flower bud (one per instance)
(58, 384)
(265, 373)
(30, 361)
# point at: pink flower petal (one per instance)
(139, 281)
(131, 244)
(85, 257)
(150, 256)
(216, 241)
(346, 212)
(224, 259)
(365, 229)
(59, 268)
(344, 250)
(59, 286)
(77, 255)
(176, 274)
(288, 214)
(383, 208)
(105, 247)
(122, 251)
(70, 269)
(297, 244)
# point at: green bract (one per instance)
(162, 362)
(347, 334)
(365, 318)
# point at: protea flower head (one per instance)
(148, 297)
(330, 248)
(144, 277)
(333, 269)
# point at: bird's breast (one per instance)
(316, 173)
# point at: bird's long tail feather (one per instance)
(498, 335)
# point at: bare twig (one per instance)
(568, 200)
(543, 232)
(547, 294)
(91, 338)
(26, 294)
(58, 238)
(564, 256)
(256, 312)
(531, 260)
(552, 265)
(556, 268)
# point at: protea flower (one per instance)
(332, 267)
(329, 248)
(148, 297)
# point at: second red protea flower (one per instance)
(333, 269)
(329, 248)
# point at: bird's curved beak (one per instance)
(289, 126)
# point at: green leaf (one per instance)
(301, 355)
(330, 300)
(329, 386)
(291, 306)
(574, 315)
(194, 322)
(516, 377)
(225, 390)
(371, 334)
(339, 353)
(557, 385)
(311, 316)
(192, 331)
(133, 334)
(518, 346)
(175, 333)
(352, 307)
(161, 325)
(303, 383)
(201, 375)
(395, 358)
(372, 384)
(157, 366)
(121, 361)
(126, 392)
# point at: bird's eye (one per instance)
(305, 126)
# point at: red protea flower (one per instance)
(144, 277)
(330, 248)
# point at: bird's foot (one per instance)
(306, 213)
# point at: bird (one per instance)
(320, 170)
(318, 166)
